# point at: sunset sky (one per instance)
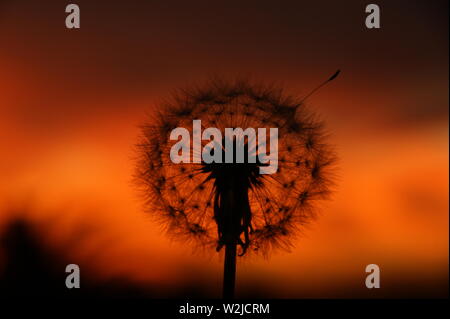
(72, 101)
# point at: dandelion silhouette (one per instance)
(232, 204)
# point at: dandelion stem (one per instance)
(229, 271)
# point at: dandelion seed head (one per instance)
(182, 195)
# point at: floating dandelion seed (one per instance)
(233, 205)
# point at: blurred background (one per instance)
(72, 100)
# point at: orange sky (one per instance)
(72, 101)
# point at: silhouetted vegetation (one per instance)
(30, 267)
